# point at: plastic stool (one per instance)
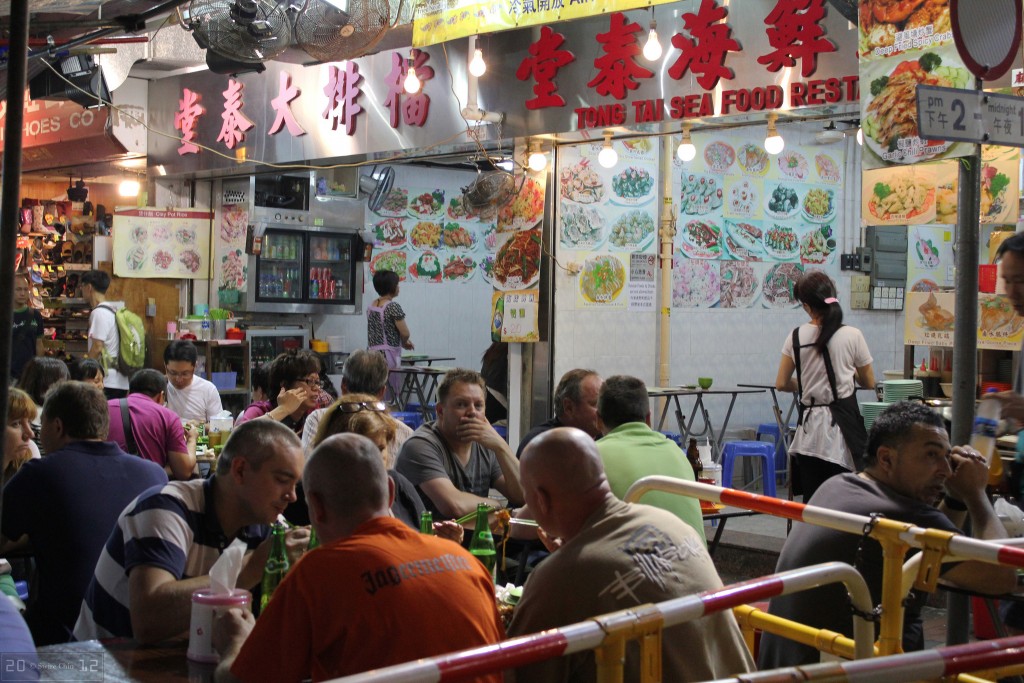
(502, 431)
(772, 429)
(411, 418)
(675, 438)
(750, 449)
(22, 588)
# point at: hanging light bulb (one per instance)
(477, 66)
(412, 82)
(129, 187)
(537, 161)
(608, 157)
(773, 142)
(686, 150)
(860, 136)
(652, 48)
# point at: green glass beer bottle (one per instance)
(277, 566)
(482, 545)
(314, 542)
(427, 523)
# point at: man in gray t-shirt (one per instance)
(455, 461)
(910, 468)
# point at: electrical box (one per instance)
(860, 292)
(887, 245)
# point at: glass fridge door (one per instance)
(331, 268)
(279, 267)
(266, 344)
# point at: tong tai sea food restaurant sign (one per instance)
(752, 55)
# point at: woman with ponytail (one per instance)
(821, 360)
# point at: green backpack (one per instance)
(131, 344)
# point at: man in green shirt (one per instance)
(631, 449)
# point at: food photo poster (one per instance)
(429, 235)
(172, 243)
(751, 223)
(901, 46)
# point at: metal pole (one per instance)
(965, 336)
(666, 233)
(10, 186)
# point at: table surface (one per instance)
(423, 358)
(686, 391)
(121, 660)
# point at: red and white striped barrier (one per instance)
(960, 547)
(588, 635)
(913, 666)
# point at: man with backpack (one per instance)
(116, 335)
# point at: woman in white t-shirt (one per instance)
(826, 361)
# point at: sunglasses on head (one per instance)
(374, 406)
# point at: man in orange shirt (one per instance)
(370, 571)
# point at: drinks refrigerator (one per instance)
(266, 343)
(303, 268)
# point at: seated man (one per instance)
(365, 372)
(575, 406)
(188, 395)
(456, 460)
(909, 465)
(370, 568)
(614, 556)
(165, 542)
(157, 430)
(67, 503)
(631, 449)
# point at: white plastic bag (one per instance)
(1011, 516)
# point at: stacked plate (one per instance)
(870, 410)
(894, 390)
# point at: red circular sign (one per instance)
(987, 35)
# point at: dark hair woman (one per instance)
(826, 357)
(293, 389)
(386, 329)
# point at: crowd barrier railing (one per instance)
(609, 633)
(896, 538)
(993, 658)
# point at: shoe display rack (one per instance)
(57, 263)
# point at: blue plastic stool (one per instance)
(675, 438)
(417, 408)
(502, 431)
(772, 429)
(22, 588)
(750, 449)
(412, 418)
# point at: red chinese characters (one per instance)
(281, 104)
(235, 123)
(411, 109)
(189, 110)
(617, 68)
(705, 54)
(545, 59)
(795, 34)
(343, 91)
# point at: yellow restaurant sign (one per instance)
(442, 20)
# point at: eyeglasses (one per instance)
(185, 373)
(373, 406)
(311, 382)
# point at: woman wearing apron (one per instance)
(827, 357)
(386, 330)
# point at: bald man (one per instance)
(614, 556)
(371, 575)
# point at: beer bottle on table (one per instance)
(482, 545)
(277, 565)
(693, 455)
(427, 523)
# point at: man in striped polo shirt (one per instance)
(166, 541)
